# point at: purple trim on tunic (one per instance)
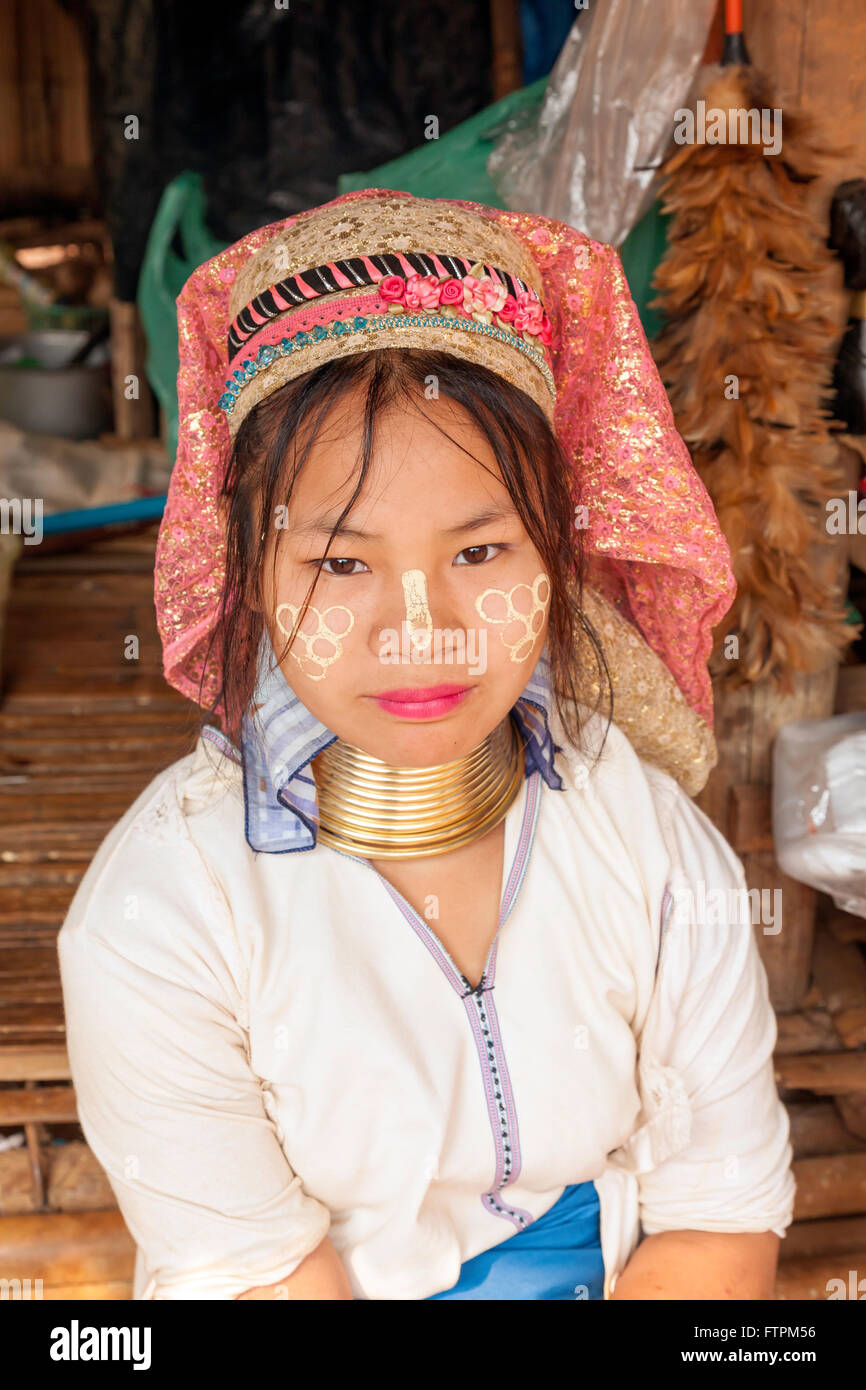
(456, 979)
(495, 1079)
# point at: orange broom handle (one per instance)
(734, 47)
(733, 16)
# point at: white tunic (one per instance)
(269, 1048)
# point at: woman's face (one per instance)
(431, 609)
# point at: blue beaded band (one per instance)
(269, 352)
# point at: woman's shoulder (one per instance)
(631, 789)
(155, 866)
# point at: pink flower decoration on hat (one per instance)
(508, 310)
(451, 291)
(473, 295)
(392, 288)
(422, 292)
(529, 314)
(494, 293)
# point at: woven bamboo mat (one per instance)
(85, 723)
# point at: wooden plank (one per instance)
(817, 1127)
(19, 1020)
(111, 782)
(57, 836)
(18, 1194)
(34, 962)
(95, 559)
(852, 1112)
(807, 1238)
(39, 933)
(808, 1030)
(845, 926)
(817, 1278)
(110, 591)
(76, 1181)
(65, 701)
(39, 990)
(787, 955)
(34, 1062)
(19, 907)
(123, 760)
(747, 721)
(168, 722)
(828, 1074)
(851, 691)
(55, 870)
(110, 1291)
(839, 971)
(506, 48)
(68, 1247)
(750, 821)
(814, 55)
(11, 142)
(133, 419)
(776, 35)
(830, 1185)
(45, 1104)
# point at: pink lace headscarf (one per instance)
(654, 545)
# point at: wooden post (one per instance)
(506, 73)
(737, 800)
(133, 416)
(10, 548)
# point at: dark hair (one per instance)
(274, 442)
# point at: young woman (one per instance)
(401, 985)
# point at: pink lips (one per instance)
(422, 701)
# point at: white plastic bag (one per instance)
(819, 806)
(590, 155)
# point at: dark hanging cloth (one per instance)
(271, 105)
(848, 239)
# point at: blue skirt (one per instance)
(558, 1256)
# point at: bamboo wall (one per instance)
(45, 139)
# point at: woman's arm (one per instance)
(701, 1264)
(167, 1096)
(319, 1276)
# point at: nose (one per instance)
(418, 617)
(412, 603)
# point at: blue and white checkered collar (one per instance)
(278, 745)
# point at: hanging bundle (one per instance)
(751, 297)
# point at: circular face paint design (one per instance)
(519, 612)
(320, 634)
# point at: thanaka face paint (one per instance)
(519, 612)
(419, 622)
(326, 633)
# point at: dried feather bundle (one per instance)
(754, 308)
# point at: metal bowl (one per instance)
(73, 402)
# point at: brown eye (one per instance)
(477, 554)
(342, 566)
